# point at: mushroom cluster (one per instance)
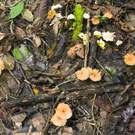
(62, 113)
(87, 72)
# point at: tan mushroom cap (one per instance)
(73, 50)
(58, 121)
(82, 74)
(95, 75)
(108, 14)
(129, 59)
(64, 111)
(95, 20)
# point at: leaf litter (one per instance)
(67, 67)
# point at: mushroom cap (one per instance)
(95, 75)
(95, 20)
(129, 59)
(58, 121)
(82, 74)
(64, 111)
(108, 14)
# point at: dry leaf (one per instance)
(125, 26)
(56, 27)
(8, 61)
(37, 41)
(19, 32)
(38, 121)
(76, 50)
(27, 15)
(2, 67)
(2, 35)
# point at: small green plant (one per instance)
(77, 24)
(16, 10)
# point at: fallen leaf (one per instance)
(38, 121)
(16, 9)
(2, 35)
(27, 15)
(2, 66)
(8, 61)
(19, 32)
(37, 41)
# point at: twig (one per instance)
(52, 111)
(93, 117)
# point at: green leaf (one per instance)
(17, 54)
(16, 9)
(24, 51)
(77, 25)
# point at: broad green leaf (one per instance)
(17, 54)
(16, 9)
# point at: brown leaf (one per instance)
(19, 32)
(37, 41)
(2, 35)
(126, 27)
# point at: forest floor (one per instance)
(67, 67)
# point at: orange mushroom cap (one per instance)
(95, 20)
(64, 111)
(58, 121)
(51, 14)
(108, 14)
(82, 74)
(129, 59)
(95, 75)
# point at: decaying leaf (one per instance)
(38, 121)
(2, 35)
(19, 32)
(8, 61)
(37, 41)
(2, 66)
(18, 119)
(27, 15)
(76, 50)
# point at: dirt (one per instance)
(40, 57)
